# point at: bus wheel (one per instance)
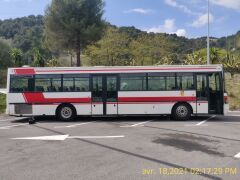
(181, 112)
(66, 112)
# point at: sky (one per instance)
(183, 17)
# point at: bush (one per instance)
(2, 103)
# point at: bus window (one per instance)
(185, 81)
(81, 84)
(111, 88)
(75, 83)
(97, 89)
(48, 83)
(202, 87)
(171, 83)
(68, 84)
(133, 82)
(21, 83)
(156, 83)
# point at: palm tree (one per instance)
(194, 59)
(231, 64)
(16, 55)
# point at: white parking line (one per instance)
(138, 124)
(237, 155)
(74, 125)
(64, 137)
(17, 125)
(202, 122)
(94, 137)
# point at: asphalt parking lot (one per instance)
(120, 148)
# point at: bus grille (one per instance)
(23, 109)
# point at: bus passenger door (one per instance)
(215, 93)
(202, 93)
(104, 95)
(111, 95)
(97, 95)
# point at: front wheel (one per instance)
(66, 112)
(181, 112)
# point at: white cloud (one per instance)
(181, 32)
(202, 20)
(184, 8)
(167, 27)
(233, 4)
(139, 10)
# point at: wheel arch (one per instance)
(65, 104)
(182, 102)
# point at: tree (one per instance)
(111, 50)
(194, 59)
(53, 63)
(73, 24)
(5, 58)
(16, 55)
(231, 64)
(38, 58)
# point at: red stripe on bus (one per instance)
(25, 71)
(155, 99)
(39, 98)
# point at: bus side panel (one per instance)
(8, 90)
(44, 109)
(83, 109)
(153, 102)
(145, 108)
(202, 107)
(15, 98)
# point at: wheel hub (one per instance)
(66, 112)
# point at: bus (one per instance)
(180, 91)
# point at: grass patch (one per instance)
(2, 103)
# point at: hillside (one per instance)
(26, 34)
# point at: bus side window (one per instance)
(133, 82)
(20, 84)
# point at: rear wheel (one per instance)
(66, 112)
(181, 112)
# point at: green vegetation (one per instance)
(72, 25)
(233, 89)
(2, 103)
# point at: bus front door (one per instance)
(104, 95)
(215, 93)
(209, 93)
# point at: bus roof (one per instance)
(115, 69)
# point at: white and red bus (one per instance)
(180, 91)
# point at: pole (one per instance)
(208, 39)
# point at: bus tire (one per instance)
(181, 112)
(66, 112)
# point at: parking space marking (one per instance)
(95, 137)
(202, 122)
(46, 138)
(237, 155)
(8, 127)
(194, 125)
(64, 137)
(74, 125)
(138, 124)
